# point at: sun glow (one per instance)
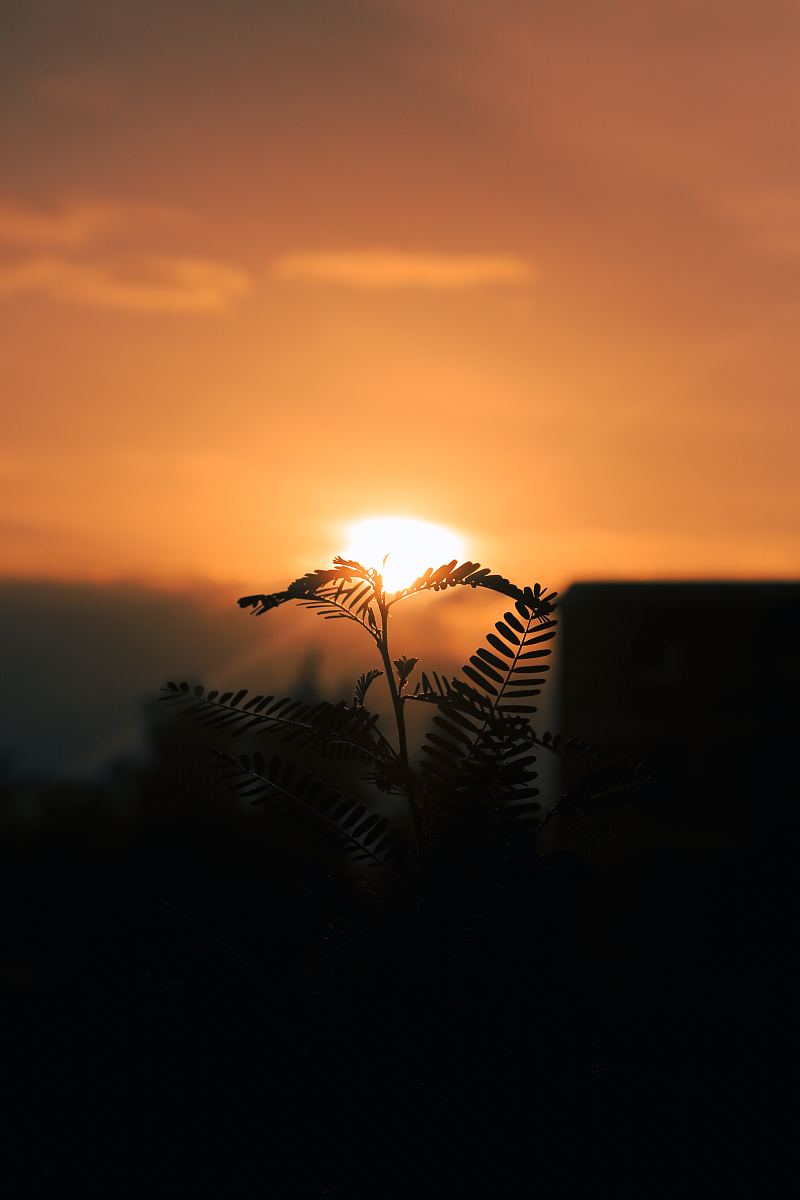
(411, 546)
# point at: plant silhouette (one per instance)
(472, 798)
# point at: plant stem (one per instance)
(400, 721)
(397, 703)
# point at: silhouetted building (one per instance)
(701, 679)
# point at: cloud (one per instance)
(77, 254)
(27, 275)
(69, 227)
(153, 283)
(376, 270)
(82, 223)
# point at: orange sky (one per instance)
(532, 270)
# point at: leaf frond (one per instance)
(363, 684)
(539, 602)
(338, 822)
(336, 729)
(587, 802)
(346, 590)
(481, 743)
(404, 667)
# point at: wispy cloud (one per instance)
(376, 270)
(68, 227)
(85, 222)
(79, 253)
(146, 284)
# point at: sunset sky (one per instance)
(528, 270)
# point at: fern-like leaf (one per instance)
(363, 684)
(620, 780)
(480, 750)
(404, 667)
(336, 729)
(472, 574)
(345, 592)
(501, 679)
(340, 823)
(585, 802)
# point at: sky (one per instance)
(527, 270)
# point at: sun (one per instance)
(411, 545)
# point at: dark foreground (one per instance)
(180, 1010)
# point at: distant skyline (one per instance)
(529, 271)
